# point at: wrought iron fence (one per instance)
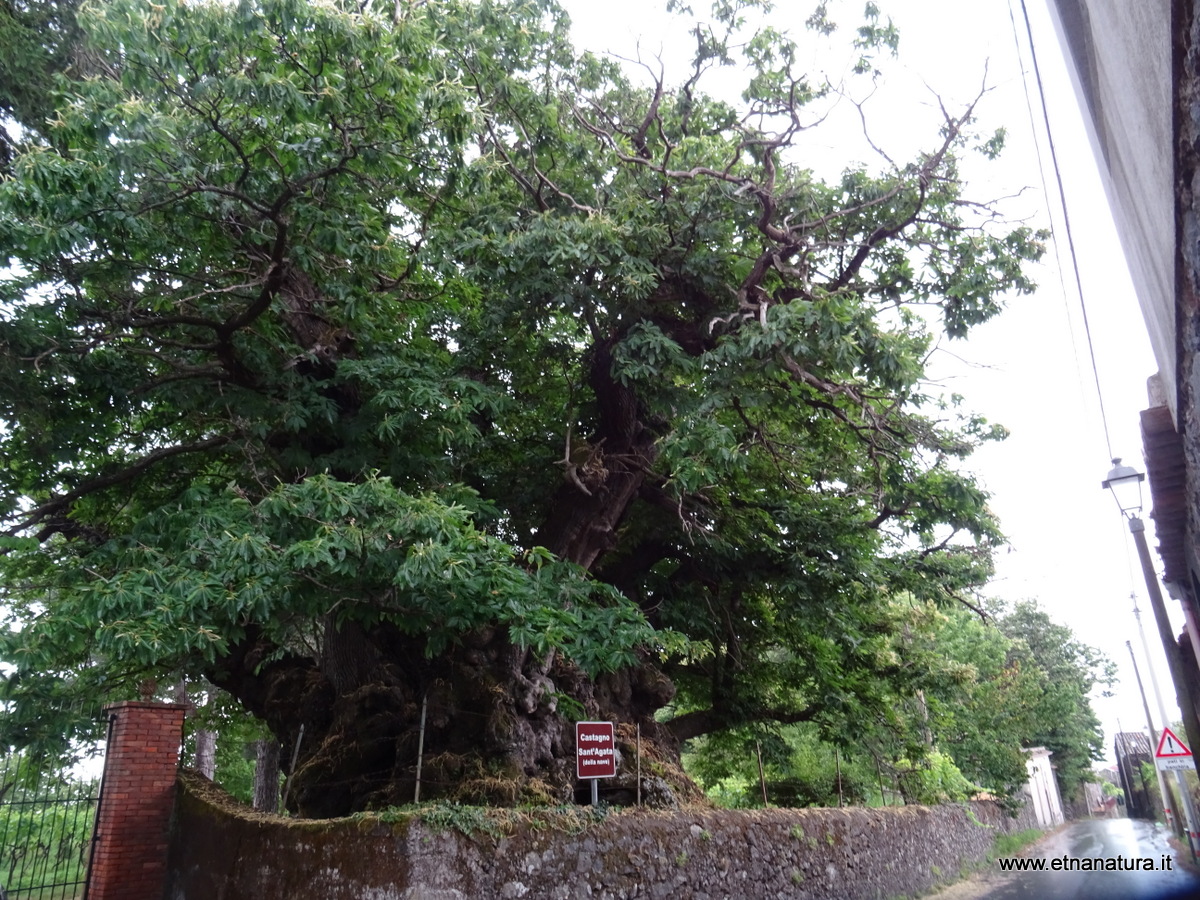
(46, 825)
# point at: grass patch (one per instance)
(490, 822)
(1003, 845)
(1008, 844)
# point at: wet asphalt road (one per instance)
(1127, 839)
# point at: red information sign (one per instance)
(595, 750)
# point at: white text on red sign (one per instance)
(595, 750)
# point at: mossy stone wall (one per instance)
(220, 850)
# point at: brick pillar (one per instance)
(129, 858)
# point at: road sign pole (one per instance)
(595, 792)
(1183, 695)
(1162, 785)
(1173, 754)
(1188, 812)
(1187, 708)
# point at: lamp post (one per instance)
(1125, 484)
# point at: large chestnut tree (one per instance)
(366, 360)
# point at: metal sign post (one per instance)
(1173, 754)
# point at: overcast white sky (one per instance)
(1029, 369)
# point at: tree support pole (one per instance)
(287, 784)
(420, 750)
(762, 780)
(639, 764)
(837, 758)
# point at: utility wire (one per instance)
(1062, 280)
(1041, 169)
(1062, 198)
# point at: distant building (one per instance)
(1109, 802)
(1042, 787)
(1132, 749)
(1109, 774)
(1095, 803)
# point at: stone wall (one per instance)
(220, 849)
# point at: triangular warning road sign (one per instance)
(1170, 746)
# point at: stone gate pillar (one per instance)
(129, 857)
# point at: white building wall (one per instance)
(1120, 52)
(1043, 788)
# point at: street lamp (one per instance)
(1125, 484)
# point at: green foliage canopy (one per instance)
(956, 701)
(426, 328)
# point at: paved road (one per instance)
(1124, 840)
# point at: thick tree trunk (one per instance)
(494, 732)
(206, 752)
(266, 775)
(205, 760)
(604, 474)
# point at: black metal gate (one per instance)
(46, 824)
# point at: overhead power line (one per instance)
(1062, 199)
